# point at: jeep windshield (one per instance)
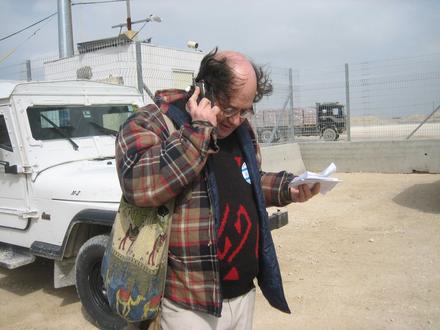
(57, 122)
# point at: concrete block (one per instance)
(374, 156)
(282, 157)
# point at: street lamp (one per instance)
(130, 33)
(151, 18)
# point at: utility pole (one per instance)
(291, 112)
(347, 102)
(128, 16)
(65, 33)
(28, 70)
(130, 33)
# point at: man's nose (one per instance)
(235, 119)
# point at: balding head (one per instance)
(234, 83)
(227, 73)
(244, 77)
(240, 64)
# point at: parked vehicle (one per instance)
(326, 120)
(59, 190)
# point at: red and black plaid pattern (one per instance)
(154, 167)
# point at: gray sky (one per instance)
(287, 33)
(392, 46)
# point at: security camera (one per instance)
(192, 44)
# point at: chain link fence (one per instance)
(392, 99)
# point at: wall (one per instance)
(282, 157)
(377, 156)
(158, 64)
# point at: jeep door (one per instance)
(13, 189)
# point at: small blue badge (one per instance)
(245, 173)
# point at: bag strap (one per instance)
(169, 123)
(171, 129)
(170, 205)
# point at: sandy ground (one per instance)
(364, 256)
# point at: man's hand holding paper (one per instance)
(302, 192)
(310, 179)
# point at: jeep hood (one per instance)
(80, 181)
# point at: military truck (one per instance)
(327, 120)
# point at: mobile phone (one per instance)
(202, 87)
(204, 90)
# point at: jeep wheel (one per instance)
(329, 134)
(90, 286)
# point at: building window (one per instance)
(182, 79)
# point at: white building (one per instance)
(115, 59)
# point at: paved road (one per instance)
(429, 130)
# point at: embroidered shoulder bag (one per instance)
(135, 261)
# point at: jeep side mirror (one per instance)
(8, 168)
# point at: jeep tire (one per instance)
(90, 287)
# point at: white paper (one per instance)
(324, 178)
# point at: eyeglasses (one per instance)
(244, 113)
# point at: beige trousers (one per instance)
(237, 314)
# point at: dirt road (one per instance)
(365, 256)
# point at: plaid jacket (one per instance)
(154, 167)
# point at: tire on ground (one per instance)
(329, 134)
(89, 284)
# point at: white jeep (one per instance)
(59, 190)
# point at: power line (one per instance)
(27, 27)
(42, 20)
(14, 50)
(28, 38)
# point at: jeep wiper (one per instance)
(103, 129)
(60, 132)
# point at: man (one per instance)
(220, 240)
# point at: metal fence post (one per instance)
(291, 113)
(347, 101)
(140, 81)
(28, 70)
(423, 122)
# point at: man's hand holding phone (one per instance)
(203, 110)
